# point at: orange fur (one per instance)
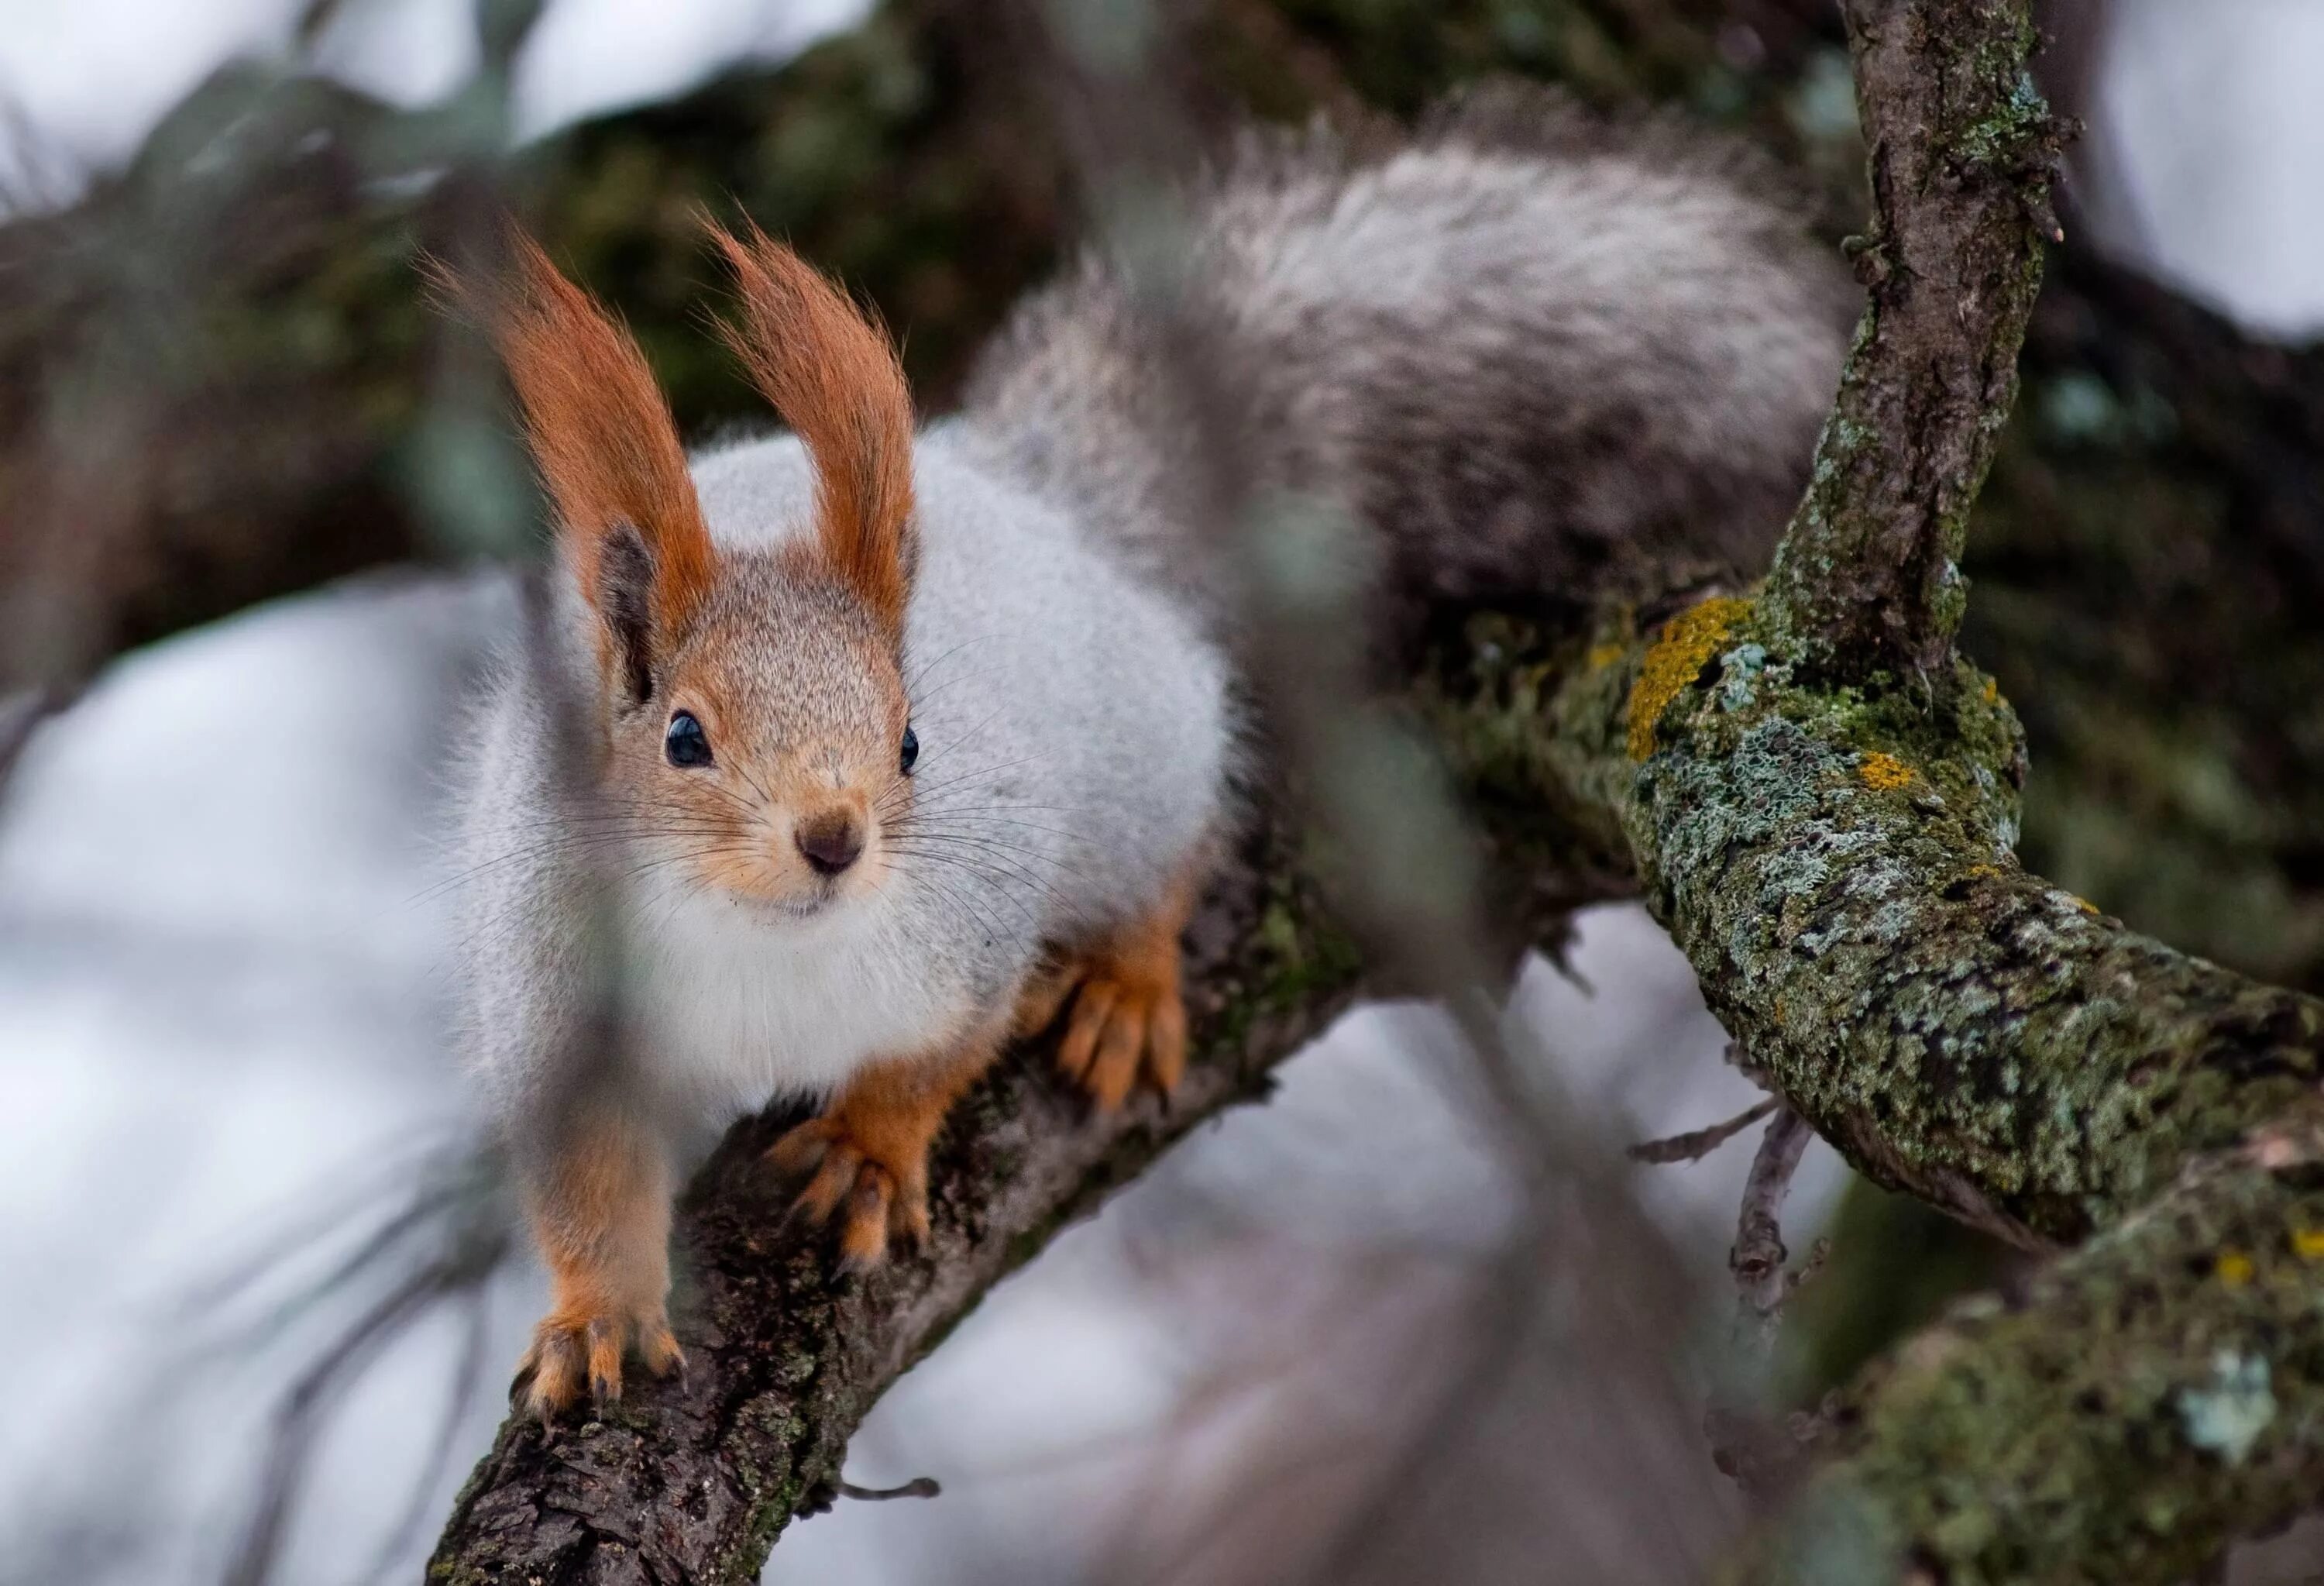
(600, 432)
(869, 1151)
(1128, 1018)
(601, 1217)
(833, 375)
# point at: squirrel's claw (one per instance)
(552, 1373)
(872, 1199)
(824, 1149)
(657, 1347)
(1125, 1013)
(1128, 1023)
(570, 1352)
(604, 1340)
(863, 1234)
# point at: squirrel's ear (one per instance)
(630, 528)
(833, 375)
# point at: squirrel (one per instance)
(835, 759)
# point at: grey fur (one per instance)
(1073, 734)
(1533, 350)
(1529, 351)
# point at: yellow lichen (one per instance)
(1992, 692)
(2308, 1243)
(1602, 655)
(2085, 905)
(2235, 1268)
(1982, 873)
(1688, 641)
(1884, 772)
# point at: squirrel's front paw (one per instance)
(1128, 1016)
(876, 1183)
(1120, 1030)
(571, 1348)
(1128, 1019)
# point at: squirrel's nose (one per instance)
(830, 842)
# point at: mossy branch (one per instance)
(1960, 146)
(1836, 864)
(1823, 811)
(2119, 1418)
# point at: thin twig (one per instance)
(1697, 1144)
(821, 1496)
(917, 1487)
(1759, 1256)
(1761, 1453)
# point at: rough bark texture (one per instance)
(1837, 872)
(1868, 578)
(1838, 867)
(2116, 1418)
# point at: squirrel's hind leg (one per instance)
(1127, 1018)
(868, 1153)
(600, 1209)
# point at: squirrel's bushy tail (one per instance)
(1538, 353)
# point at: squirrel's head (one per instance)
(756, 729)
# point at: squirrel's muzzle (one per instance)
(831, 840)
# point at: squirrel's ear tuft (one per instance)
(833, 375)
(630, 527)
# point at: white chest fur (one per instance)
(734, 1007)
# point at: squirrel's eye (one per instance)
(686, 743)
(911, 751)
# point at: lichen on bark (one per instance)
(2089, 1426)
(1960, 1027)
(1960, 147)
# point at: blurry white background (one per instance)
(220, 956)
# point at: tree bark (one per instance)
(1868, 580)
(2116, 1417)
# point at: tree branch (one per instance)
(1747, 1444)
(1824, 812)
(1961, 147)
(1837, 866)
(2134, 1407)
(1698, 1143)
